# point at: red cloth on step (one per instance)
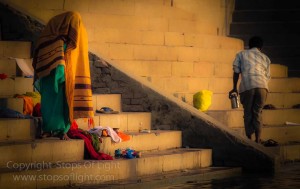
(3, 76)
(75, 133)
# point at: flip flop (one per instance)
(107, 110)
(269, 107)
(269, 143)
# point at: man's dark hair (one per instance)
(256, 41)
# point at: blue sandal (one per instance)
(107, 110)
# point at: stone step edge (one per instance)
(271, 126)
(147, 132)
(55, 139)
(95, 114)
(173, 177)
(237, 129)
(71, 165)
(285, 151)
(226, 93)
(34, 141)
(184, 44)
(101, 114)
(241, 109)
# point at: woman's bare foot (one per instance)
(46, 135)
(64, 137)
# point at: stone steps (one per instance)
(99, 100)
(19, 85)
(125, 121)
(153, 9)
(180, 39)
(283, 134)
(160, 140)
(107, 100)
(8, 66)
(148, 23)
(220, 101)
(12, 103)
(152, 162)
(153, 68)
(130, 52)
(276, 23)
(101, 171)
(287, 152)
(282, 51)
(39, 151)
(265, 15)
(217, 84)
(267, 5)
(8, 49)
(16, 129)
(234, 118)
(264, 28)
(271, 39)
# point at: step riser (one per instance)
(139, 23)
(127, 121)
(188, 69)
(272, 39)
(264, 28)
(291, 62)
(10, 87)
(140, 142)
(167, 38)
(8, 67)
(279, 51)
(17, 129)
(12, 103)
(112, 100)
(280, 134)
(265, 16)
(266, 5)
(124, 121)
(164, 53)
(285, 85)
(96, 172)
(218, 85)
(290, 153)
(15, 49)
(153, 9)
(53, 151)
(234, 119)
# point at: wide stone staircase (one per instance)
(277, 22)
(174, 51)
(28, 162)
(185, 60)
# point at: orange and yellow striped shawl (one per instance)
(67, 28)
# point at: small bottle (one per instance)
(234, 100)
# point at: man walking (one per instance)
(254, 68)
